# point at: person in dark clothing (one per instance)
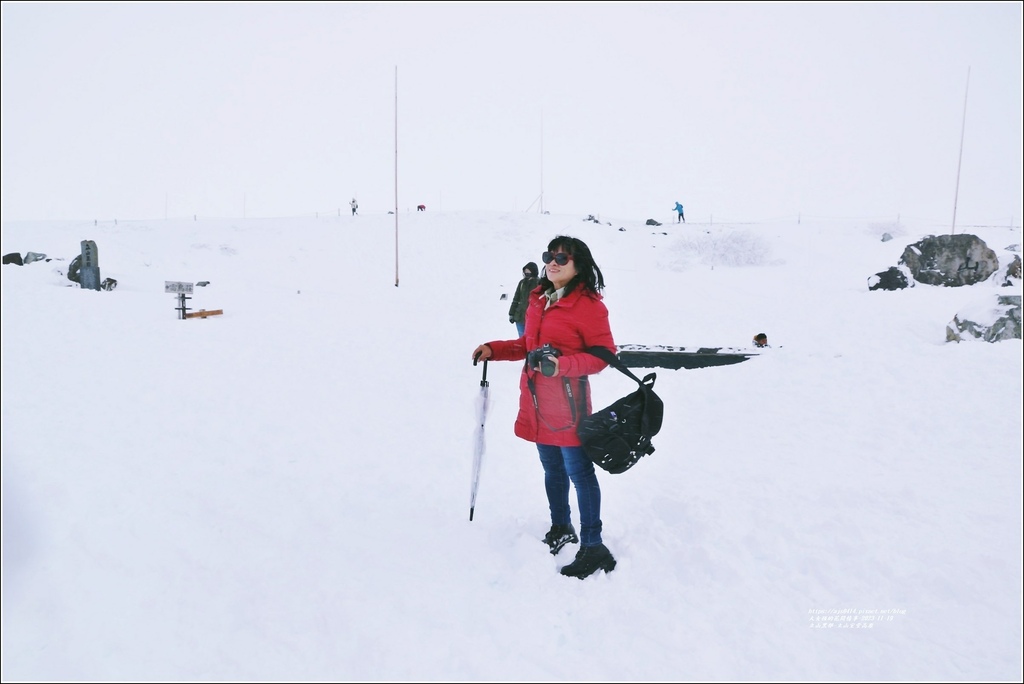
(520, 300)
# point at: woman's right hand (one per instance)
(480, 353)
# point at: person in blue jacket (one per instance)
(679, 210)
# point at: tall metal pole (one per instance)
(960, 159)
(396, 175)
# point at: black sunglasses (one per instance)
(561, 258)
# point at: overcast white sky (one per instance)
(740, 111)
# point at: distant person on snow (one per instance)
(679, 210)
(521, 299)
(354, 205)
(760, 340)
(422, 207)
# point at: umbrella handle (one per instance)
(483, 382)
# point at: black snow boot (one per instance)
(590, 559)
(560, 535)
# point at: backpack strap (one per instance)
(611, 359)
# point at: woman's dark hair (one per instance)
(588, 275)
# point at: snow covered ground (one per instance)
(281, 492)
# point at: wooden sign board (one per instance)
(203, 313)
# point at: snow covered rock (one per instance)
(987, 321)
(895, 278)
(1010, 275)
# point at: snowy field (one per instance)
(281, 492)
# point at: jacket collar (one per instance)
(567, 300)
(552, 296)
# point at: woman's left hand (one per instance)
(550, 361)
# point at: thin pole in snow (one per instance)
(963, 126)
(396, 175)
(542, 161)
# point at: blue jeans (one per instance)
(562, 464)
(521, 327)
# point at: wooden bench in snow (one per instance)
(661, 356)
(203, 313)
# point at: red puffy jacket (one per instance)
(573, 323)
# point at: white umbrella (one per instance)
(478, 438)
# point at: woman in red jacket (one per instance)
(565, 312)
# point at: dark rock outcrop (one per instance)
(891, 279)
(950, 260)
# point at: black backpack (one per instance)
(618, 436)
